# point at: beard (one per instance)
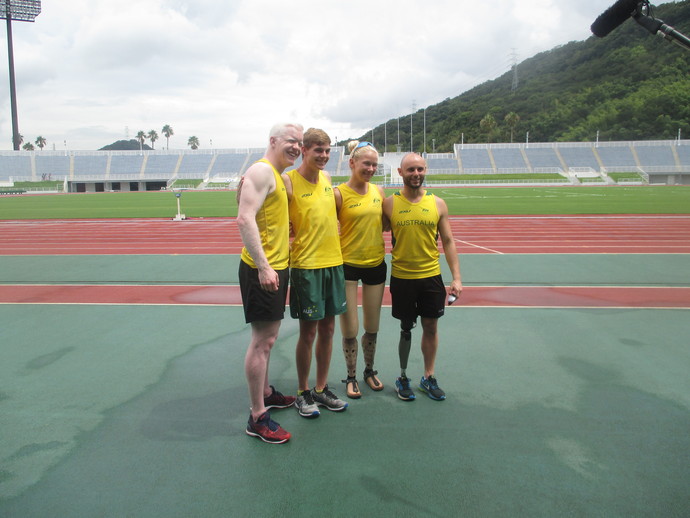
(412, 184)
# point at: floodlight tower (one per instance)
(23, 11)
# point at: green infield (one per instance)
(460, 200)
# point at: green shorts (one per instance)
(315, 294)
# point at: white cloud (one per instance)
(87, 70)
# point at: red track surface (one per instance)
(476, 234)
(484, 296)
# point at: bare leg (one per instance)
(303, 352)
(324, 348)
(371, 306)
(349, 321)
(256, 360)
(429, 344)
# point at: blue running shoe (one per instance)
(430, 386)
(402, 387)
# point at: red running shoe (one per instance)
(267, 429)
(278, 400)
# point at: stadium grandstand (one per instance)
(655, 162)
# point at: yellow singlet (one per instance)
(274, 226)
(415, 233)
(315, 224)
(361, 231)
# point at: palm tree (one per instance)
(193, 142)
(41, 142)
(28, 147)
(168, 132)
(487, 125)
(512, 119)
(141, 137)
(152, 136)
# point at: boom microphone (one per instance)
(614, 16)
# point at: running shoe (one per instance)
(402, 387)
(267, 429)
(430, 386)
(328, 399)
(278, 400)
(305, 405)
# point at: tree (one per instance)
(512, 119)
(168, 132)
(126, 145)
(487, 125)
(141, 137)
(28, 147)
(152, 136)
(41, 142)
(193, 142)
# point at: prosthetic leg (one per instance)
(350, 348)
(369, 349)
(405, 344)
(402, 384)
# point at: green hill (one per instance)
(629, 85)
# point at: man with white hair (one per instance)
(263, 221)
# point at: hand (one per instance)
(455, 291)
(269, 279)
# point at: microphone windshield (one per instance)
(613, 17)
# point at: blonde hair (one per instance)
(316, 137)
(353, 150)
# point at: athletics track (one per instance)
(493, 235)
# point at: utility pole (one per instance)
(23, 11)
(424, 131)
(513, 57)
(414, 106)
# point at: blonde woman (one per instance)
(359, 205)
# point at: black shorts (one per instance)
(418, 297)
(370, 276)
(259, 304)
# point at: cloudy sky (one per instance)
(89, 73)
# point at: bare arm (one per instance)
(258, 182)
(385, 220)
(386, 213)
(288, 185)
(338, 199)
(449, 247)
(288, 190)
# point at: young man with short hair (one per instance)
(317, 281)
